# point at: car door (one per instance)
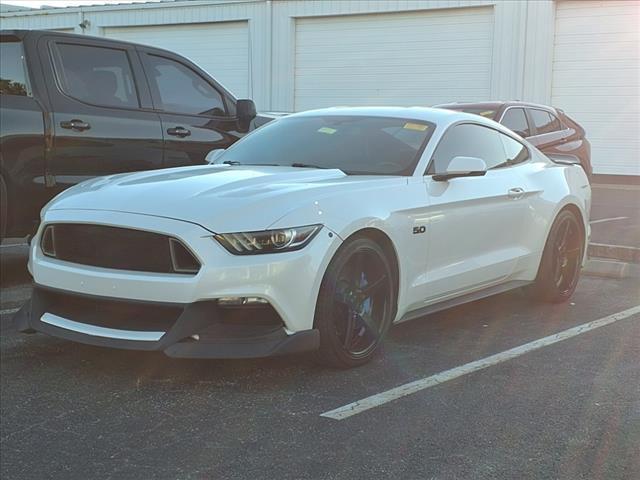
(197, 115)
(477, 224)
(103, 120)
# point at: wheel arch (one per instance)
(575, 209)
(384, 241)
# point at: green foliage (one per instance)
(9, 87)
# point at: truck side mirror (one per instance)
(246, 111)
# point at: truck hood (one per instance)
(219, 198)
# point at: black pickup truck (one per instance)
(74, 107)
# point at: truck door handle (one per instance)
(515, 193)
(179, 132)
(75, 124)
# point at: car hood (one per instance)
(220, 198)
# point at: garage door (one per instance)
(222, 49)
(412, 58)
(596, 78)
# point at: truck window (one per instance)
(96, 75)
(181, 90)
(13, 78)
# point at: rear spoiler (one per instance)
(564, 159)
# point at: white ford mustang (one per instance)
(316, 232)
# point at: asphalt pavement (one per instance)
(569, 410)
(615, 214)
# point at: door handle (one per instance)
(515, 193)
(75, 124)
(179, 132)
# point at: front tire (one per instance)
(356, 304)
(561, 260)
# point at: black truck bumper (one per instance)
(196, 330)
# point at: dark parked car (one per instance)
(74, 107)
(548, 128)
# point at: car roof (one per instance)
(23, 33)
(428, 114)
(439, 116)
(494, 105)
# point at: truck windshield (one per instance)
(357, 145)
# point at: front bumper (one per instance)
(288, 281)
(196, 330)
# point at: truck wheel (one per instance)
(3, 209)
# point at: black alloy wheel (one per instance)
(356, 304)
(561, 261)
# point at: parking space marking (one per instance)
(379, 399)
(603, 220)
(9, 311)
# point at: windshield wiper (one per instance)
(300, 165)
(307, 165)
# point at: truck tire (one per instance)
(4, 210)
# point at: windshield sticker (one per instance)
(327, 130)
(487, 113)
(418, 127)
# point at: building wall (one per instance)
(520, 46)
(530, 58)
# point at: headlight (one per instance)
(268, 241)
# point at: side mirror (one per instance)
(246, 111)
(213, 155)
(462, 167)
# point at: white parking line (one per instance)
(602, 220)
(9, 311)
(378, 399)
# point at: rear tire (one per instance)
(4, 210)
(561, 263)
(356, 304)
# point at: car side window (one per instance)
(516, 120)
(96, 75)
(470, 140)
(544, 121)
(13, 77)
(515, 151)
(181, 90)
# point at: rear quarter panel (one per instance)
(553, 188)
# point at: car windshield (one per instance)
(357, 145)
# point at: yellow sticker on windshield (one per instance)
(487, 113)
(418, 127)
(327, 130)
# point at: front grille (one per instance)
(117, 248)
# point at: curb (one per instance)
(606, 268)
(614, 252)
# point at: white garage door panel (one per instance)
(415, 58)
(596, 78)
(222, 49)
